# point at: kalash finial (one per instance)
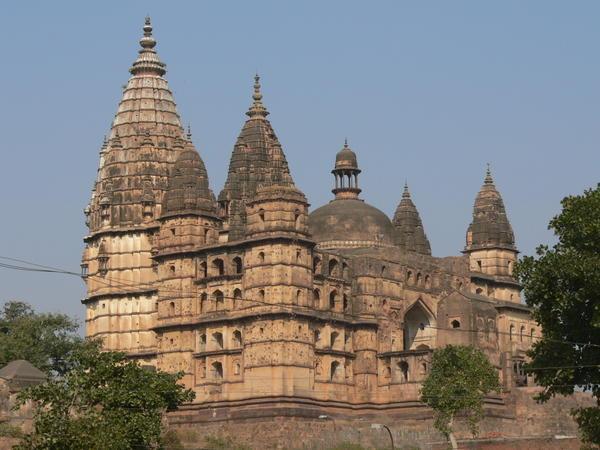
(147, 41)
(345, 142)
(189, 132)
(488, 175)
(257, 108)
(406, 193)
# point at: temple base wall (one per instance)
(518, 422)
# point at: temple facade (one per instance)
(259, 299)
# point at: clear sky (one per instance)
(425, 91)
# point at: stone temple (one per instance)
(269, 308)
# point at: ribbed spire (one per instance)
(490, 227)
(257, 159)
(148, 60)
(410, 234)
(257, 109)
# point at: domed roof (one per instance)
(350, 223)
(346, 158)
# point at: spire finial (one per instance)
(345, 142)
(148, 60)
(189, 132)
(488, 175)
(257, 108)
(406, 193)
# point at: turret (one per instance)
(410, 234)
(491, 245)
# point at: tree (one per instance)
(459, 379)
(104, 402)
(562, 285)
(42, 339)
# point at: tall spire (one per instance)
(257, 159)
(257, 109)
(148, 60)
(490, 227)
(410, 234)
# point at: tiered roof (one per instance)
(410, 234)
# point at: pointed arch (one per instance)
(419, 326)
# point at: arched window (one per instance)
(206, 231)
(332, 299)
(409, 278)
(418, 330)
(419, 278)
(236, 368)
(334, 369)
(298, 256)
(346, 303)
(219, 300)
(427, 281)
(532, 335)
(217, 338)
(298, 297)
(261, 295)
(202, 343)
(261, 215)
(423, 368)
(403, 366)
(333, 265)
(172, 308)
(218, 266)
(455, 323)
(316, 298)
(203, 302)
(510, 267)
(237, 264)
(347, 340)
(317, 335)
(522, 334)
(333, 338)
(237, 339)
(202, 272)
(316, 264)
(297, 218)
(345, 271)
(217, 370)
(511, 332)
(261, 257)
(237, 298)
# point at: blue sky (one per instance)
(425, 91)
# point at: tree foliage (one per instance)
(42, 339)
(104, 402)
(562, 285)
(459, 379)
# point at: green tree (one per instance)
(42, 339)
(104, 402)
(459, 379)
(562, 285)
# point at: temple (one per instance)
(265, 304)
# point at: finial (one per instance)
(488, 175)
(345, 142)
(257, 108)
(147, 41)
(189, 132)
(406, 193)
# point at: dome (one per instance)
(346, 158)
(350, 223)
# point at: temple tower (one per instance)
(410, 234)
(491, 246)
(127, 199)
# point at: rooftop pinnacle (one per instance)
(257, 108)
(147, 60)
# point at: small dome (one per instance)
(346, 158)
(350, 223)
